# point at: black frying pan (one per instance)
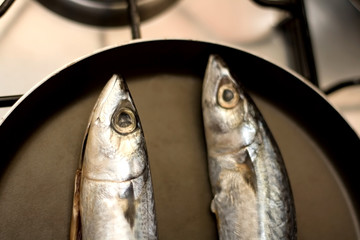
(41, 140)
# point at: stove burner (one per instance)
(356, 4)
(106, 13)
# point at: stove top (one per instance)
(36, 41)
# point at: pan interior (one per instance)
(36, 188)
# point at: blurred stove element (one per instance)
(342, 84)
(232, 21)
(106, 13)
(356, 4)
(5, 5)
(7, 101)
(134, 19)
(297, 30)
(335, 33)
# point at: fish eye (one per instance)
(227, 96)
(124, 121)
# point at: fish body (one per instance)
(252, 194)
(113, 190)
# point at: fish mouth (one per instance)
(210, 81)
(112, 82)
(216, 74)
(110, 89)
(114, 96)
(104, 97)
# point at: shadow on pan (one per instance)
(41, 140)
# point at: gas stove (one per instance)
(39, 37)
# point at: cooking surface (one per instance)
(39, 165)
(178, 165)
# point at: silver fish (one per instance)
(113, 196)
(252, 194)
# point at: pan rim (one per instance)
(142, 41)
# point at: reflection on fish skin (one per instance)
(114, 196)
(252, 194)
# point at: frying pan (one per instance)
(41, 140)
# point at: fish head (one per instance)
(115, 147)
(227, 113)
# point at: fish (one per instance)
(113, 193)
(252, 196)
